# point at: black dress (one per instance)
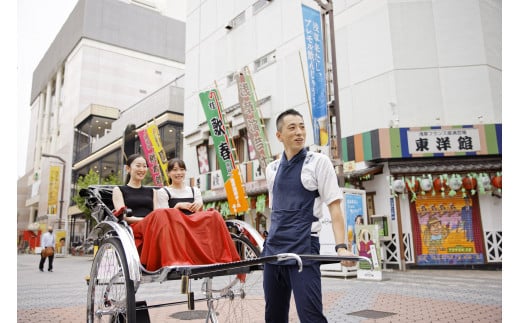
(139, 200)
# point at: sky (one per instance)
(38, 23)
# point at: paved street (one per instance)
(439, 295)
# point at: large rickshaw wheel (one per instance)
(111, 295)
(234, 300)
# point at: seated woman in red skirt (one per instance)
(166, 235)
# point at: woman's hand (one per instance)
(132, 219)
(192, 207)
(182, 206)
(196, 206)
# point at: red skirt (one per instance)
(167, 237)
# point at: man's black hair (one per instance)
(287, 112)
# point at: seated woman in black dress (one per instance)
(133, 194)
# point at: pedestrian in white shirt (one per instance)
(47, 240)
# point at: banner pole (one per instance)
(306, 93)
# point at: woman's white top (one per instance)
(162, 196)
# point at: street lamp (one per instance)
(62, 184)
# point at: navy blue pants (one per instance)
(280, 280)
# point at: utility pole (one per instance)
(333, 106)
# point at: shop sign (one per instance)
(443, 141)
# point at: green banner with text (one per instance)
(212, 106)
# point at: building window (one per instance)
(259, 6)
(265, 60)
(237, 21)
(87, 132)
(172, 140)
(110, 167)
(230, 79)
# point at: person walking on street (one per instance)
(299, 183)
(47, 241)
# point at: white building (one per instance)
(112, 64)
(403, 67)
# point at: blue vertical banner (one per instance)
(392, 208)
(316, 65)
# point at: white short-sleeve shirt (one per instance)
(317, 174)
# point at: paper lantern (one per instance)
(455, 183)
(426, 184)
(497, 181)
(485, 182)
(439, 184)
(398, 186)
(469, 183)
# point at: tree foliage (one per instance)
(92, 178)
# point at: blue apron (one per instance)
(292, 210)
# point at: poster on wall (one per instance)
(60, 238)
(353, 205)
(202, 157)
(446, 231)
(367, 243)
(355, 214)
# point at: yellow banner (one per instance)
(236, 194)
(54, 187)
(155, 139)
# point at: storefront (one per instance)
(454, 215)
(440, 191)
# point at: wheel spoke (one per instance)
(111, 296)
(231, 299)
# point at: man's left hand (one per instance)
(345, 252)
